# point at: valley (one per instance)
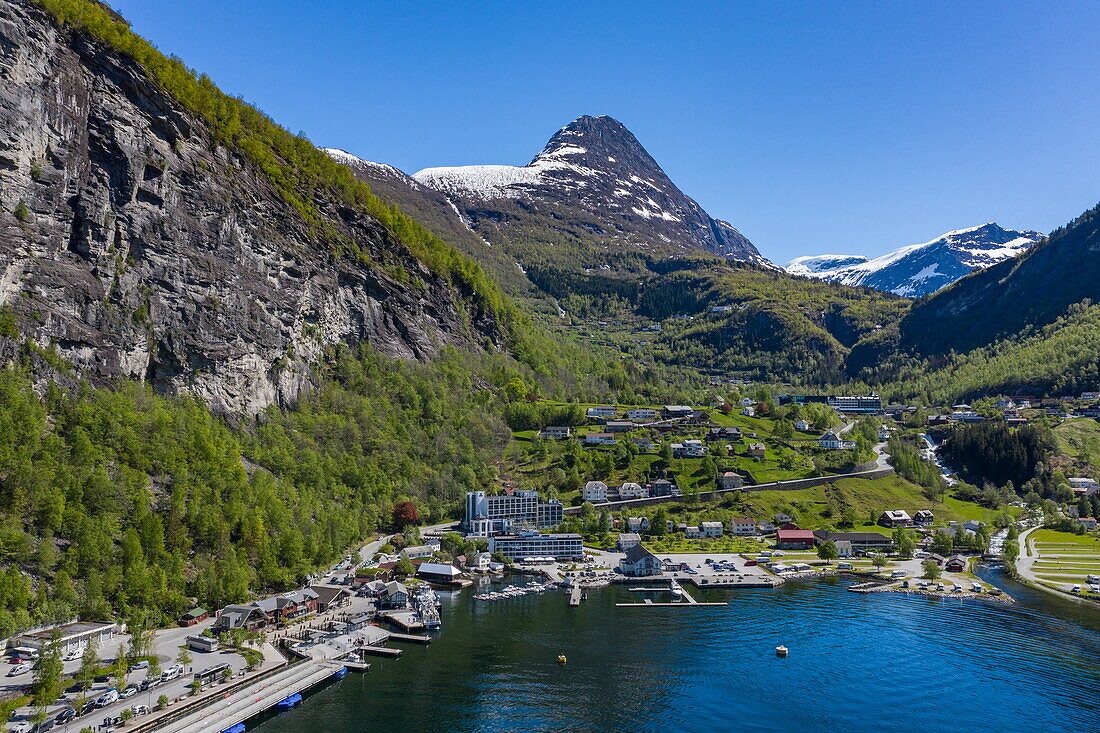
(238, 369)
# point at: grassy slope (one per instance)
(1079, 441)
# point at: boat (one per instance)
(675, 589)
(235, 728)
(340, 673)
(562, 659)
(289, 702)
(781, 651)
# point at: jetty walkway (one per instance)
(250, 700)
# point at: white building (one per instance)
(711, 529)
(628, 540)
(692, 532)
(802, 426)
(637, 524)
(601, 411)
(748, 411)
(599, 439)
(631, 490)
(832, 441)
(743, 527)
(641, 413)
(532, 544)
(556, 431)
(487, 515)
(595, 492)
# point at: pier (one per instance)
(414, 638)
(575, 595)
(252, 699)
(686, 598)
(404, 620)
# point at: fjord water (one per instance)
(858, 662)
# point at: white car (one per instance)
(21, 668)
(108, 697)
(21, 727)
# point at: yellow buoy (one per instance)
(562, 659)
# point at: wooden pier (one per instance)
(414, 638)
(575, 595)
(380, 651)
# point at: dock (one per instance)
(404, 620)
(250, 700)
(575, 595)
(414, 638)
(381, 651)
(687, 598)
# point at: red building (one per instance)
(794, 539)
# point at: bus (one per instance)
(211, 674)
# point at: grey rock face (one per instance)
(138, 247)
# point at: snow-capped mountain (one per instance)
(920, 269)
(590, 197)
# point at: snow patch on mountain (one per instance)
(813, 264)
(919, 269)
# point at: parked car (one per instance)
(139, 709)
(103, 678)
(149, 683)
(171, 673)
(65, 716)
(86, 708)
(21, 668)
(22, 726)
(130, 691)
(143, 664)
(108, 697)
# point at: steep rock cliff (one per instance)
(135, 245)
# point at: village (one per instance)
(716, 497)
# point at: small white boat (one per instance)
(781, 651)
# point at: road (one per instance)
(1025, 567)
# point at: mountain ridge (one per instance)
(919, 269)
(592, 181)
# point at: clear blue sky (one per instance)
(812, 126)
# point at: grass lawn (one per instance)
(678, 544)
(1054, 538)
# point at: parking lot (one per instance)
(167, 644)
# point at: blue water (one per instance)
(858, 662)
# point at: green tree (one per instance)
(404, 568)
(827, 550)
(942, 543)
(89, 662)
(905, 543)
(879, 561)
(47, 684)
(932, 571)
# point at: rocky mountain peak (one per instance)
(598, 143)
(595, 187)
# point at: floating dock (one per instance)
(414, 638)
(575, 595)
(380, 651)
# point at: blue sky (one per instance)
(813, 127)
